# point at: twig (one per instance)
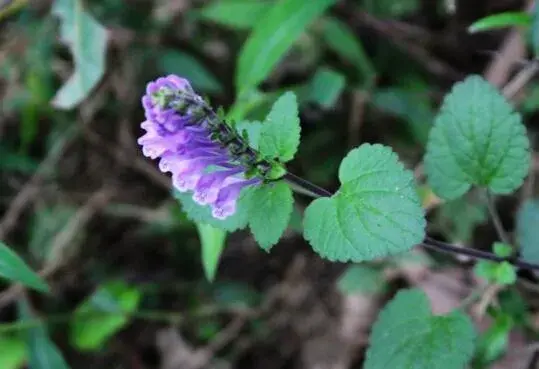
(81, 218)
(473, 296)
(511, 51)
(223, 338)
(521, 79)
(410, 47)
(486, 298)
(62, 241)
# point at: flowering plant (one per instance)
(203, 154)
(237, 170)
(230, 171)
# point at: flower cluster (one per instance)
(203, 154)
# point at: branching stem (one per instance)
(440, 246)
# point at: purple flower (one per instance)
(203, 154)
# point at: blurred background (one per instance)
(83, 207)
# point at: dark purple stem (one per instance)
(427, 242)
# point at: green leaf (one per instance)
(513, 304)
(270, 207)
(484, 269)
(406, 335)
(505, 274)
(361, 279)
(16, 162)
(375, 213)
(280, 133)
(325, 87)
(477, 139)
(103, 314)
(212, 241)
(501, 20)
(12, 352)
(87, 40)
(14, 268)
(202, 214)
(42, 352)
(502, 249)
(250, 130)
(501, 273)
(274, 34)
(527, 230)
(237, 14)
(177, 62)
(342, 41)
(493, 342)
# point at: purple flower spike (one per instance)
(225, 204)
(209, 185)
(202, 153)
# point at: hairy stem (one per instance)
(440, 246)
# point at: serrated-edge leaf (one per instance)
(280, 133)
(87, 40)
(375, 213)
(252, 130)
(477, 139)
(407, 321)
(12, 267)
(270, 208)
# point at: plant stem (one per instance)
(496, 218)
(309, 187)
(440, 246)
(476, 254)
(521, 79)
